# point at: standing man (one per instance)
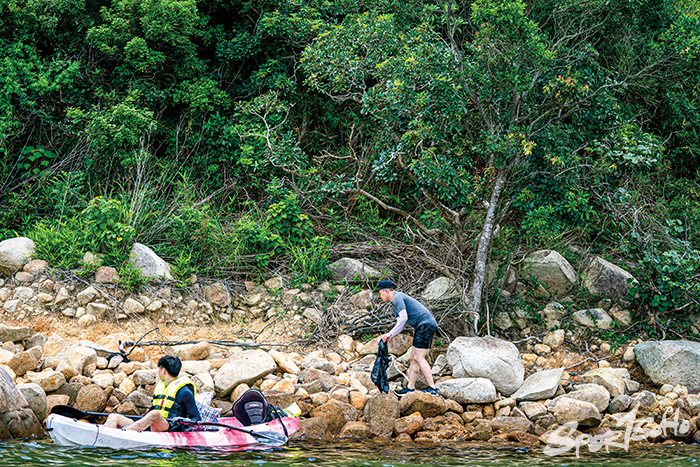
(173, 397)
(408, 310)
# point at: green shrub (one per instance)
(107, 221)
(62, 244)
(130, 276)
(309, 261)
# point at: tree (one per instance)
(487, 74)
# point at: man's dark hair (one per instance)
(171, 364)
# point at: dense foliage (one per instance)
(236, 137)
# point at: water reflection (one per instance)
(351, 454)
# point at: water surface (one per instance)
(355, 454)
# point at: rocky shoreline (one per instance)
(55, 349)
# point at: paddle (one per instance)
(72, 412)
(269, 438)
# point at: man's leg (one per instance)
(116, 420)
(419, 363)
(153, 420)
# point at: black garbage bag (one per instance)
(381, 364)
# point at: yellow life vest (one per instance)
(164, 397)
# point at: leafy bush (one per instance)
(309, 261)
(107, 221)
(130, 276)
(62, 244)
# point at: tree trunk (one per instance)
(482, 254)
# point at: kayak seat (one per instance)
(251, 408)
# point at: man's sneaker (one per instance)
(431, 390)
(403, 391)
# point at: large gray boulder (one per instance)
(79, 357)
(610, 378)
(551, 270)
(671, 362)
(152, 265)
(487, 357)
(593, 393)
(593, 318)
(604, 278)
(468, 390)
(380, 412)
(540, 385)
(36, 399)
(353, 270)
(572, 410)
(16, 418)
(243, 367)
(14, 252)
(14, 334)
(442, 288)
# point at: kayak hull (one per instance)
(67, 431)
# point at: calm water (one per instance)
(358, 454)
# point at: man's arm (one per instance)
(398, 327)
(185, 397)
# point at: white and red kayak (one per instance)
(66, 431)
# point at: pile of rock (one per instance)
(484, 395)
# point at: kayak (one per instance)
(66, 431)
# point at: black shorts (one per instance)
(423, 336)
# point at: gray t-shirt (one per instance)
(417, 313)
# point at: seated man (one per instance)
(173, 397)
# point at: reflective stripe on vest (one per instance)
(164, 397)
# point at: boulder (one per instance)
(48, 380)
(540, 385)
(442, 288)
(554, 339)
(106, 275)
(363, 299)
(593, 318)
(242, 367)
(152, 266)
(604, 278)
(313, 429)
(78, 357)
(593, 393)
(551, 270)
(145, 377)
(468, 390)
(355, 430)
(335, 414)
(14, 334)
(316, 363)
(193, 367)
(353, 270)
(620, 404)
(17, 420)
(671, 362)
(313, 375)
(88, 295)
(133, 306)
(35, 266)
(609, 378)
(487, 357)
(509, 424)
(380, 412)
(14, 252)
(285, 362)
(409, 424)
(25, 361)
(36, 399)
(426, 404)
(198, 351)
(217, 294)
(581, 412)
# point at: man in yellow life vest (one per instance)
(173, 397)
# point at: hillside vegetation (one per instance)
(239, 138)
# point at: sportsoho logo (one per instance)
(562, 440)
